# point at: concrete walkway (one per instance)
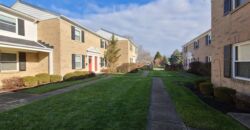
(162, 113)
(243, 118)
(16, 99)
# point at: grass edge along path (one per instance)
(117, 103)
(194, 112)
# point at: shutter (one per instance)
(228, 61)
(73, 61)
(83, 61)
(83, 37)
(22, 61)
(21, 28)
(72, 32)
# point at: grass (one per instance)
(56, 86)
(193, 111)
(119, 103)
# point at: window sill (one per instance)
(242, 79)
(9, 72)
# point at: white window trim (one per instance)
(233, 61)
(16, 18)
(78, 68)
(78, 29)
(17, 62)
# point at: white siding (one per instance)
(27, 9)
(30, 29)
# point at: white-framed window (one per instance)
(230, 5)
(8, 23)
(196, 44)
(77, 34)
(241, 61)
(8, 62)
(78, 61)
(102, 43)
(208, 39)
(208, 59)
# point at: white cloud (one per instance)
(163, 25)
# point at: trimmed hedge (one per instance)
(243, 102)
(127, 68)
(55, 78)
(12, 83)
(225, 94)
(43, 78)
(198, 82)
(77, 75)
(30, 81)
(206, 88)
(198, 68)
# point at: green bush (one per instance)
(206, 88)
(77, 75)
(43, 78)
(243, 102)
(127, 68)
(55, 78)
(69, 76)
(203, 69)
(30, 81)
(197, 83)
(225, 94)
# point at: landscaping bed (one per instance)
(211, 101)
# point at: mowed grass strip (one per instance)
(193, 111)
(55, 86)
(120, 103)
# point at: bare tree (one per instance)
(144, 57)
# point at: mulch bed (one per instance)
(221, 106)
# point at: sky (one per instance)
(157, 25)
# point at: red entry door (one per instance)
(96, 67)
(90, 64)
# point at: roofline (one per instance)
(18, 13)
(119, 36)
(60, 16)
(198, 37)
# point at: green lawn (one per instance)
(56, 86)
(193, 111)
(119, 103)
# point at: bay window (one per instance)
(241, 61)
(8, 62)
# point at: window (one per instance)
(230, 5)
(239, 3)
(77, 34)
(208, 59)
(78, 62)
(131, 47)
(8, 61)
(102, 43)
(185, 49)
(241, 61)
(102, 62)
(7, 23)
(208, 39)
(196, 44)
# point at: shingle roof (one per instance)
(21, 42)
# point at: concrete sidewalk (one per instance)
(162, 113)
(16, 99)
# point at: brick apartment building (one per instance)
(198, 49)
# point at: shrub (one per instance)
(77, 75)
(69, 76)
(243, 102)
(105, 70)
(30, 81)
(127, 67)
(225, 94)
(55, 78)
(12, 83)
(206, 88)
(197, 83)
(43, 78)
(176, 67)
(203, 69)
